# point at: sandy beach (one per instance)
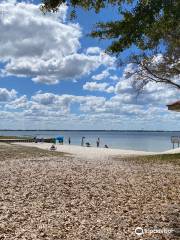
(99, 194)
(87, 152)
(94, 152)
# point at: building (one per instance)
(174, 106)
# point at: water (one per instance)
(133, 140)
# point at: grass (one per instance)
(8, 151)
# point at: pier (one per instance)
(28, 140)
(9, 140)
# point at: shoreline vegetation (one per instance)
(11, 151)
(155, 159)
(56, 195)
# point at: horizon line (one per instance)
(102, 130)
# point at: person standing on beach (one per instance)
(69, 140)
(82, 141)
(98, 142)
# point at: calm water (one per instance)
(147, 141)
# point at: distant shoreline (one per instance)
(35, 130)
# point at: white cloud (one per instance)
(44, 47)
(21, 102)
(114, 77)
(93, 50)
(55, 101)
(53, 110)
(47, 49)
(7, 95)
(124, 85)
(104, 74)
(94, 86)
(129, 69)
(110, 89)
(45, 98)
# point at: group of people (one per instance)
(87, 144)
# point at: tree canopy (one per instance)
(153, 26)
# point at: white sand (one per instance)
(172, 151)
(95, 153)
(88, 152)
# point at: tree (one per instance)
(152, 26)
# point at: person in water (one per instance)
(69, 140)
(106, 146)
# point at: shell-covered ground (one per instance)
(53, 196)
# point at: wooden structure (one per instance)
(174, 106)
(14, 140)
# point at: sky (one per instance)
(54, 76)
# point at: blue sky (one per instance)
(52, 75)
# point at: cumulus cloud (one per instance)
(93, 50)
(110, 89)
(44, 48)
(47, 49)
(7, 95)
(94, 86)
(45, 98)
(21, 102)
(101, 76)
(106, 74)
(54, 101)
(114, 77)
(152, 94)
(54, 109)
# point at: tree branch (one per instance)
(161, 79)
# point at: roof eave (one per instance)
(174, 108)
